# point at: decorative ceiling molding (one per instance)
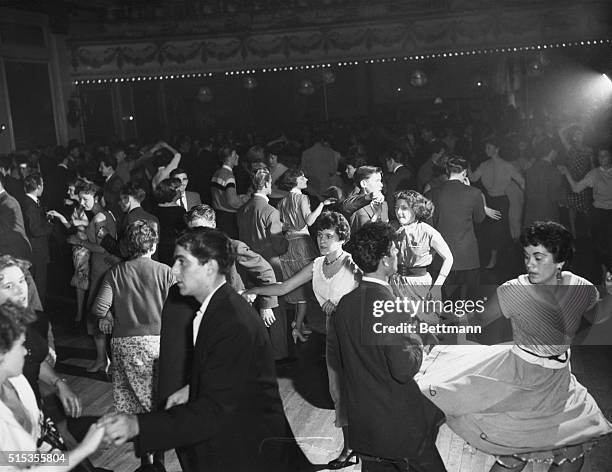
(491, 30)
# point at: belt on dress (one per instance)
(552, 358)
(412, 271)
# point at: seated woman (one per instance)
(20, 418)
(333, 275)
(521, 402)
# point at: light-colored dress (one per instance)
(13, 436)
(521, 399)
(333, 289)
(301, 250)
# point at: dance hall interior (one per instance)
(306, 235)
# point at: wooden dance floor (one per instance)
(313, 426)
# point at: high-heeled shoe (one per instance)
(297, 334)
(342, 462)
(103, 368)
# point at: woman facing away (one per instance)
(333, 275)
(129, 306)
(297, 217)
(521, 402)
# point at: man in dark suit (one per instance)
(176, 349)
(260, 228)
(59, 178)
(187, 199)
(399, 177)
(392, 426)
(132, 195)
(13, 239)
(369, 179)
(38, 229)
(226, 416)
(112, 185)
(459, 207)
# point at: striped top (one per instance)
(545, 318)
(222, 180)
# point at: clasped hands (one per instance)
(120, 428)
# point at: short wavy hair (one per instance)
(32, 182)
(134, 189)
(555, 237)
(203, 211)
(371, 243)
(260, 178)
(13, 321)
(168, 190)
(206, 244)
(6, 260)
(336, 222)
(288, 180)
(88, 188)
(141, 238)
(364, 173)
(422, 207)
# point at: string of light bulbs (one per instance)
(328, 64)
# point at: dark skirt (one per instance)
(496, 234)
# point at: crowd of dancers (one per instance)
(191, 265)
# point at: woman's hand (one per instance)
(58, 215)
(179, 397)
(328, 307)
(106, 325)
(93, 438)
(329, 201)
(493, 214)
(70, 401)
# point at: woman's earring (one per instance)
(559, 276)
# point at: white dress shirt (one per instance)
(200, 313)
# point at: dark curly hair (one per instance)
(207, 243)
(167, 190)
(288, 180)
(422, 207)
(141, 238)
(13, 321)
(134, 189)
(334, 221)
(556, 238)
(371, 243)
(89, 188)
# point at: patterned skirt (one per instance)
(507, 402)
(301, 251)
(135, 370)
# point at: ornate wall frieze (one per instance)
(400, 37)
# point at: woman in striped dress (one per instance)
(521, 402)
(296, 217)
